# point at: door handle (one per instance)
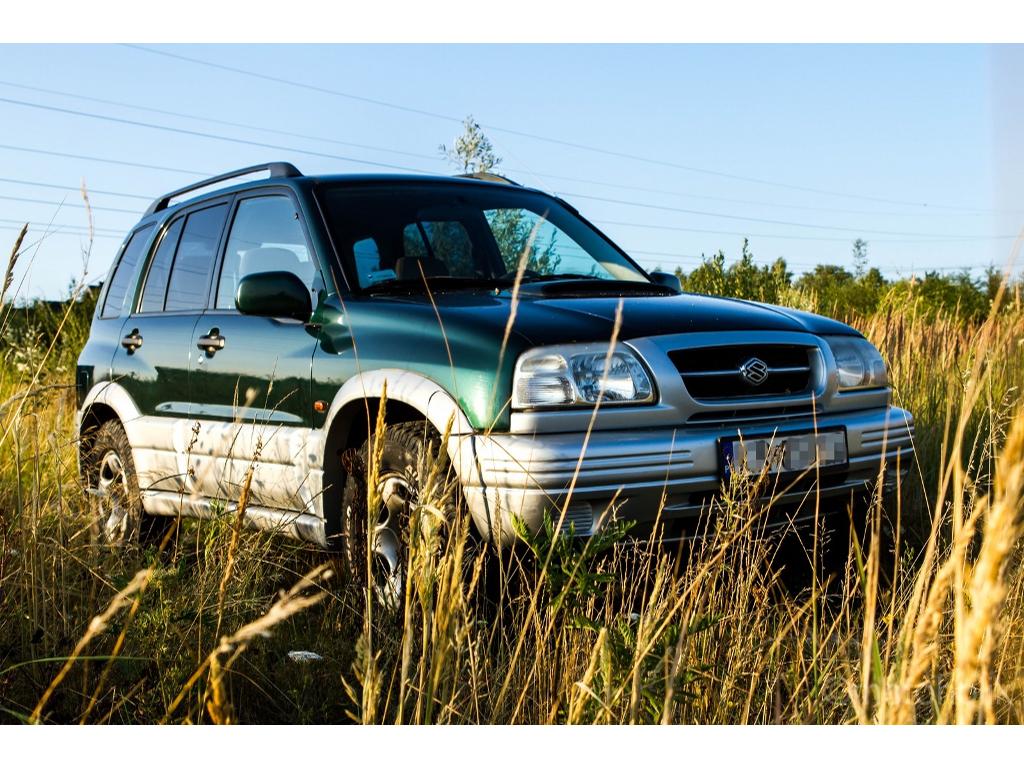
(211, 342)
(132, 341)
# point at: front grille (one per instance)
(726, 418)
(746, 370)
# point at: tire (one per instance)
(408, 451)
(109, 473)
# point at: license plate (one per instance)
(785, 453)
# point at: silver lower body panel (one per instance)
(661, 474)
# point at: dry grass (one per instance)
(922, 622)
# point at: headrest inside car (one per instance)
(275, 260)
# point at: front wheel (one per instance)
(411, 459)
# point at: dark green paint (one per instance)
(452, 338)
(261, 374)
(156, 374)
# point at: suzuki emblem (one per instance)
(754, 371)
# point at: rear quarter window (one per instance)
(122, 280)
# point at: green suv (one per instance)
(258, 323)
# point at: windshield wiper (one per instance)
(592, 286)
(436, 282)
(559, 276)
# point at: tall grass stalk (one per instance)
(918, 618)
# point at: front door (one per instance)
(250, 380)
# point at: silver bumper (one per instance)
(639, 472)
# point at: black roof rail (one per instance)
(488, 176)
(277, 170)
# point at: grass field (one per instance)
(923, 623)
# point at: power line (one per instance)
(852, 230)
(69, 234)
(406, 153)
(205, 135)
(525, 134)
(937, 239)
(772, 204)
(91, 191)
(296, 84)
(49, 224)
(230, 139)
(134, 212)
(641, 225)
(205, 119)
(111, 161)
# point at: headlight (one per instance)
(576, 375)
(858, 363)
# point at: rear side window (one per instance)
(121, 281)
(193, 264)
(266, 236)
(159, 269)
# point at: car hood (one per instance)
(581, 319)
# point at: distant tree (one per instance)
(742, 279)
(860, 257)
(993, 281)
(472, 151)
(515, 231)
(836, 290)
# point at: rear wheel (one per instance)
(110, 475)
(410, 455)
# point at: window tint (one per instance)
(266, 236)
(193, 263)
(159, 269)
(445, 241)
(121, 281)
(547, 249)
(464, 231)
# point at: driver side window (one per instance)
(266, 236)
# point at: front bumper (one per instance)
(666, 473)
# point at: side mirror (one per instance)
(667, 279)
(274, 294)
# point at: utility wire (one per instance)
(235, 140)
(641, 225)
(47, 224)
(660, 162)
(134, 212)
(60, 231)
(206, 135)
(420, 155)
(937, 239)
(90, 190)
(206, 119)
(853, 230)
(109, 160)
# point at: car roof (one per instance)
(288, 175)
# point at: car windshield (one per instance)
(472, 235)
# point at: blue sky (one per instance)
(802, 148)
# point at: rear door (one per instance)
(251, 379)
(153, 360)
(105, 333)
